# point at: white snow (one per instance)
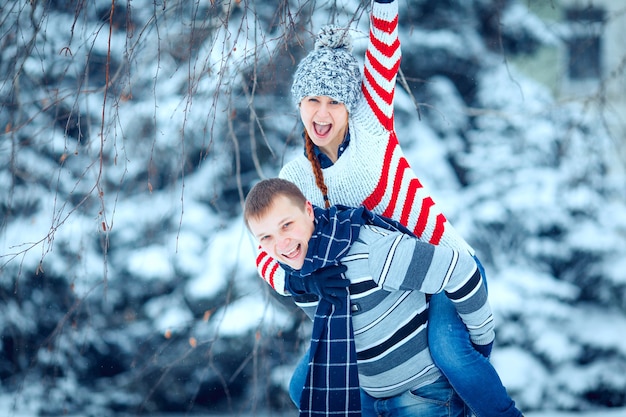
(248, 314)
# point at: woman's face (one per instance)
(326, 121)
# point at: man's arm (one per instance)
(401, 262)
(271, 272)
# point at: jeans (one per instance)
(434, 400)
(296, 384)
(470, 373)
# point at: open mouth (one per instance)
(321, 128)
(293, 253)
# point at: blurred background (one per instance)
(132, 130)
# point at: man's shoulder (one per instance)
(370, 235)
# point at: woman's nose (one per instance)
(323, 109)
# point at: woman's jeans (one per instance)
(470, 373)
(296, 384)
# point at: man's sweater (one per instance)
(390, 274)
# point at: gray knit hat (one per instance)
(329, 70)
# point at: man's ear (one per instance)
(308, 209)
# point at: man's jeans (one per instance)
(434, 400)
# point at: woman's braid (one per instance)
(317, 169)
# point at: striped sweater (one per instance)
(390, 273)
(373, 170)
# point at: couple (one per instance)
(421, 360)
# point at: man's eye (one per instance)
(286, 225)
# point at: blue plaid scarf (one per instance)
(332, 383)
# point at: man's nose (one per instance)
(283, 242)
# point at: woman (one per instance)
(352, 157)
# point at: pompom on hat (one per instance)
(329, 70)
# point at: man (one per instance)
(389, 274)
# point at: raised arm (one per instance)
(382, 61)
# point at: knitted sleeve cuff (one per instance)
(483, 338)
(271, 272)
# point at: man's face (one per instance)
(284, 231)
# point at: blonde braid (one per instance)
(317, 169)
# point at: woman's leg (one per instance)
(470, 373)
(296, 384)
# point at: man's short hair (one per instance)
(262, 196)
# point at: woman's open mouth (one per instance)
(321, 128)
